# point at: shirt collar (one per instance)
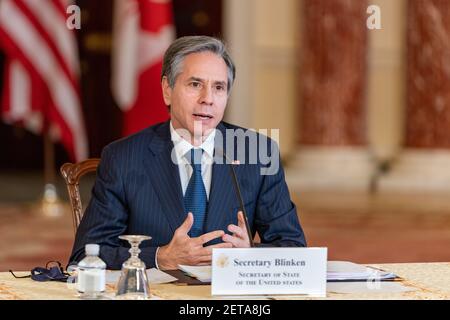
(182, 146)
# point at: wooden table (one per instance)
(432, 281)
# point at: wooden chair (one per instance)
(72, 173)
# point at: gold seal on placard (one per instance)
(223, 261)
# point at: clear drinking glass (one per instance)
(133, 282)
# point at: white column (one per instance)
(418, 171)
(238, 29)
(263, 39)
(386, 97)
(341, 169)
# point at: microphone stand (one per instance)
(241, 201)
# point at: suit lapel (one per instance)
(165, 178)
(222, 197)
(164, 175)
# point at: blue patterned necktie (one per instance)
(195, 199)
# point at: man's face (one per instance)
(199, 96)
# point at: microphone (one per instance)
(238, 194)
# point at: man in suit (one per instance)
(172, 181)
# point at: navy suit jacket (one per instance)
(138, 191)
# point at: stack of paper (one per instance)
(349, 271)
(336, 271)
(202, 273)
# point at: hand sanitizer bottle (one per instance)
(91, 274)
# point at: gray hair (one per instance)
(180, 48)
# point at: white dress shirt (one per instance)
(182, 147)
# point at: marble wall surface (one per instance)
(428, 75)
(333, 73)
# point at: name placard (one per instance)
(259, 271)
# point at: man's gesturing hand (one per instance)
(189, 251)
(239, 239)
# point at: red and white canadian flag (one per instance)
(41, 89)
(143, 30)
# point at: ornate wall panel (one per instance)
(428, 84)
(333, 73)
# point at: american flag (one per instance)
(41, 90)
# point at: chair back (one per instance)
(72, 173)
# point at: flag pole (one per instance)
(50, 204)
(49, 160)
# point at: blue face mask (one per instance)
(53, 273)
